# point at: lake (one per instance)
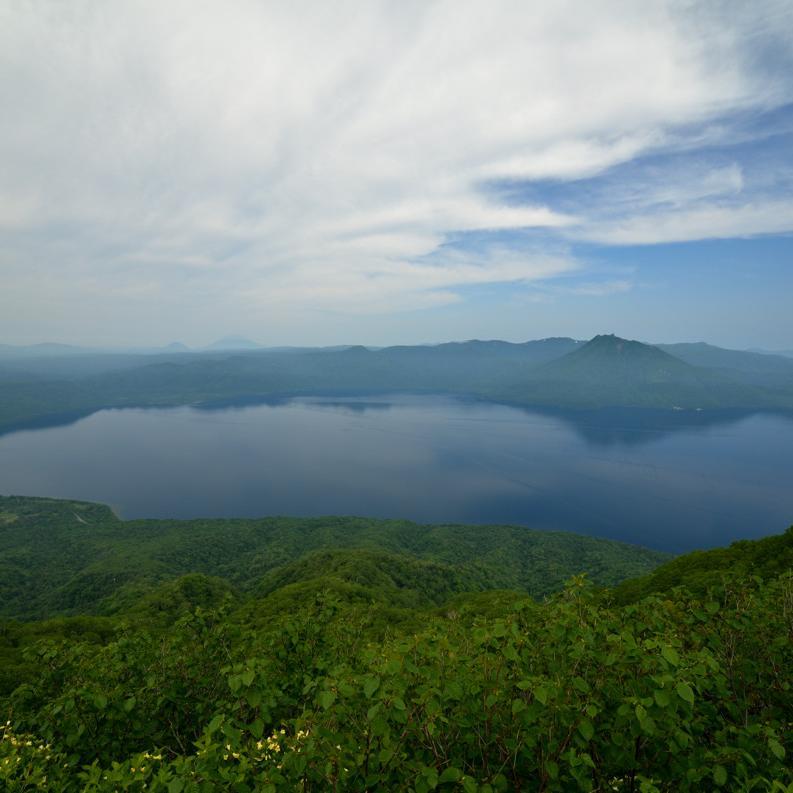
(672, 481)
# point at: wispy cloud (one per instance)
(270, 158)
(696, 223)
(601, 288)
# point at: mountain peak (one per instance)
(608, 343)
(610, 358)
(611, 339)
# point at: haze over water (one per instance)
(670, 482)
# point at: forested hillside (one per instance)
(66, 557)
(388, 662)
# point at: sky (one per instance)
(396, 172)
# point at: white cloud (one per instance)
(254, 156)
(674, 186)
(696, 223)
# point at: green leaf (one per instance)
(385, 755)
(175, 786)
(586, 729)
(670, 655)
(518, 705)
(777, 748)
(541, 693)
(684, 692)
(581, 684)
(326, 698)
(431, 778)
(720, 775)
(370, 686)
(661, 697)
(454, 690)
(451, 774)
(510, 653)
(247, 677)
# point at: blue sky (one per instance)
(730, 286)
(390, 173)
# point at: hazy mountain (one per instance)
(606, 371)
(612, 359)
(55, 350)
(475, 359)
(609, 371)
(701, 354)
(785, 353)
(45, 349)
(537, 351)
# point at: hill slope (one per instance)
(339, 672)
(767, 558)
(701, 354)
(72, 557)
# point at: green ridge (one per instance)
(67, 557)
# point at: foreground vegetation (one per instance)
(355, 669)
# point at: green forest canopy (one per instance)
(387, 663)
(62, 557)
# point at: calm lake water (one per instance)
(668, 481)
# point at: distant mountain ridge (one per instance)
(702, 354)
(604, 372)
(783, 353)
(42, 349)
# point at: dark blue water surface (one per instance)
(673, 481)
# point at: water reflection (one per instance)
(626, 427)
(671, 481)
